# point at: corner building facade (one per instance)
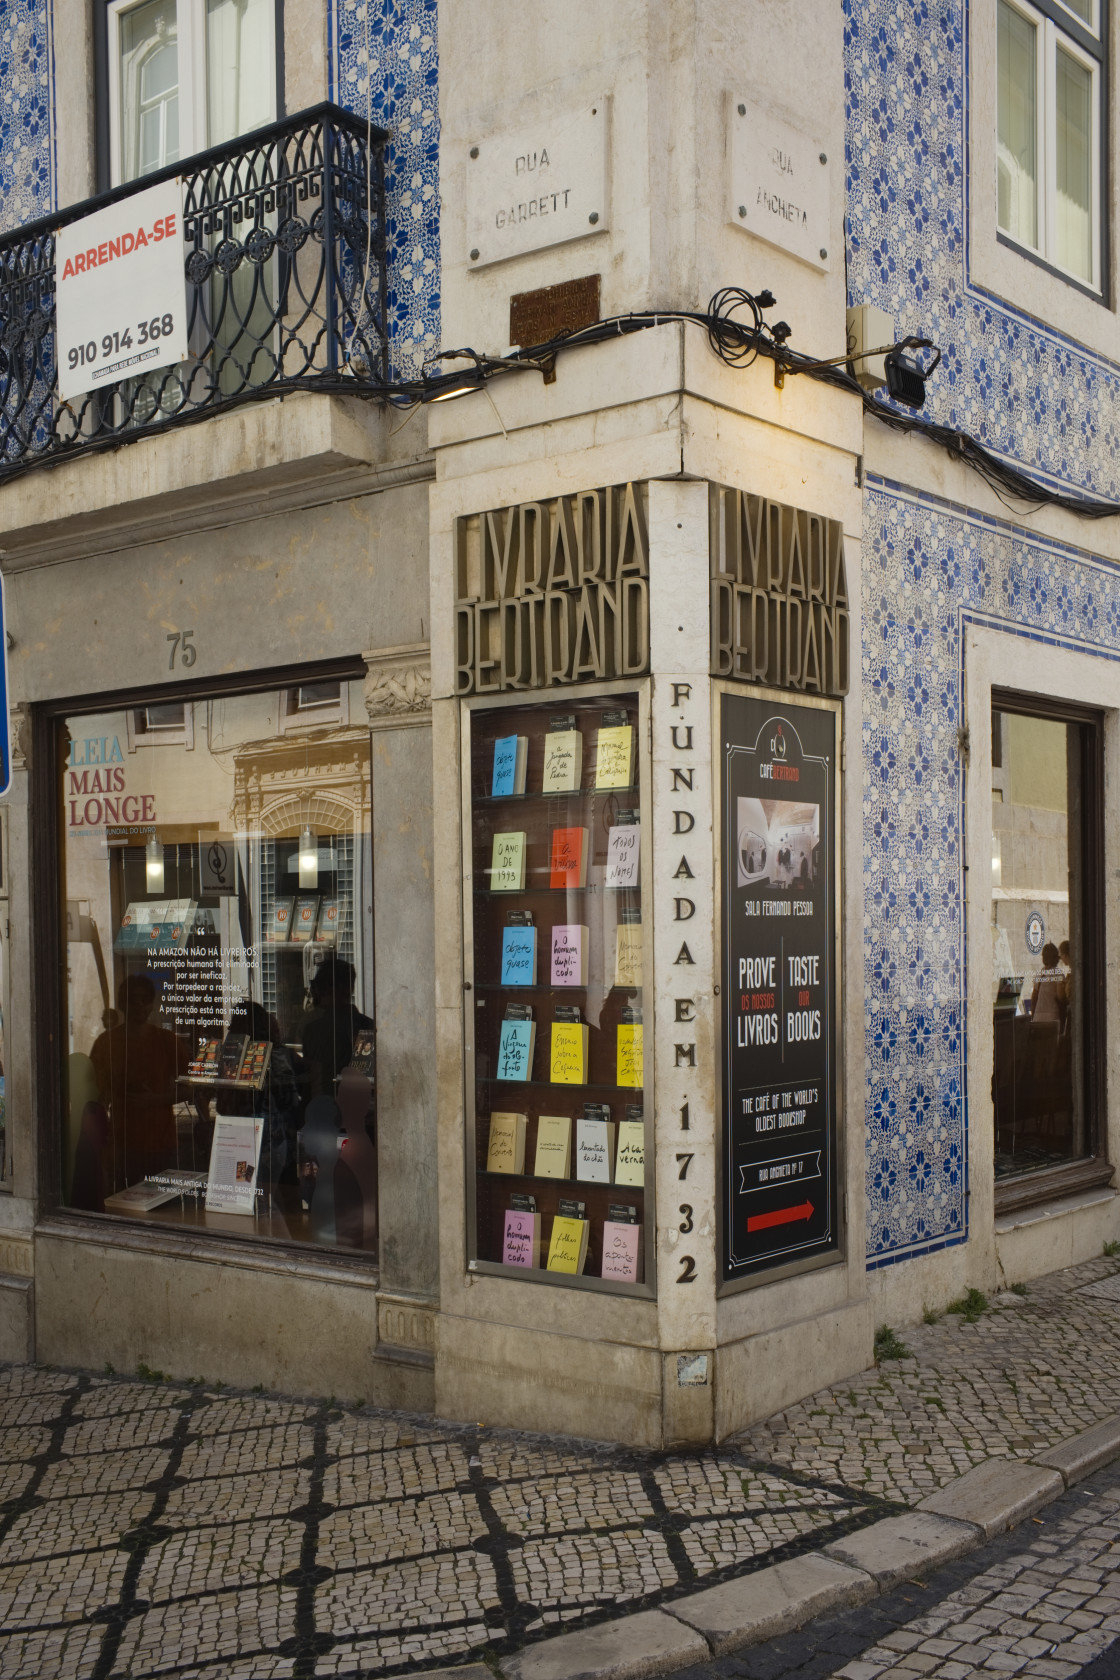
(635, 731)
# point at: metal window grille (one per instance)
(284, 257)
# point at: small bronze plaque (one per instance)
(536, 317)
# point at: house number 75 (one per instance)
(182, 643)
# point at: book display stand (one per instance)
(555, 966)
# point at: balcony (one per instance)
(284, 257)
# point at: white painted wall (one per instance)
(673, 71)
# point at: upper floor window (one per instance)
(184, 75)
(1050, 61)
(161, 725)
(313, 704)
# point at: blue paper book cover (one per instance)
(515, 1050)
(505, 766)
(519, 956)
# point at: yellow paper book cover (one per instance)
(612, 757)
(506, 1150)
(630, 1071)
(567, 1248)
(507, 864)
(563, 761)
(630, 1160)
(569, 1053)
(628, 954)
(554, 1146)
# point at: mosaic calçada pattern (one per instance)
(1021, 389)
(26, 150)
(927, 569)
(167, 1529)
(388, 53)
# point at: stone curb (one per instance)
(473, 1671)
(1089, 1451)
(897, 1548)
(626, 1649)
(771, 1601)
(996, 1494)
(956, 1519)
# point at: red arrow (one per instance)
(780, 1216)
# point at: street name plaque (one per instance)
(539, 186)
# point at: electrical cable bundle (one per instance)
(737, 343)
(737, 332)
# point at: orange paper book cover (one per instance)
(569, 857)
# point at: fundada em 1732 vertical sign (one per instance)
(779, 1050)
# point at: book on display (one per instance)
(629, 1060)
(234, 1046)
(630, 1160)
(140, 1198)
(304, 918)
(505, 1152)
(624, 844)
(567, 1243)
(326, 928)
(613, 753)
(569, 954)
(628, 954)
(364, 1054)
(278, 927)
(554, 1146)
(568, 859)
(255, 1065)
(594, 1148)
(622, 1251)
(507, 862)
(511, 754)
(568, 1060)
(519, 950)
(563, 756)
(516, 1043)
(521, 1238)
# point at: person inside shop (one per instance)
(1048, 1002)
(328, 1034)
(135, 1064)
(278, 1102)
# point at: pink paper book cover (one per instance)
(569, 954)
(621, 1251)
(522, 1239)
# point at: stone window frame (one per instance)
(1030, 673)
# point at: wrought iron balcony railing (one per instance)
(284, 256)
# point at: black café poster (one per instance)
(779, 1100)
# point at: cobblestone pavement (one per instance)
(1042, 1602)
(150, 1528)
(1041, 1367)
(166, 1529)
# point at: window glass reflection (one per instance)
(219, 976)
(1036, 924)
(1017, 164)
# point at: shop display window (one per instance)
(219, 1067)
(556, 955)
(1047, 980)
